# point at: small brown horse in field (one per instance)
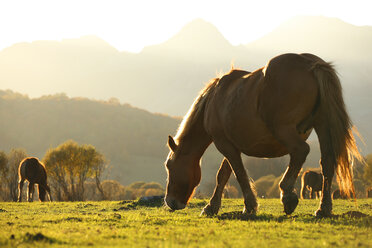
(32, 170)
(311, 181)
(337, 194)
(267, 113)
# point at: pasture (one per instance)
(137, 224)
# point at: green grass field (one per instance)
(131, 224)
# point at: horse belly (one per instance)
(253, 138)
(258, 142)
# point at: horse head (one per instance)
(42, 193)
(183, 176)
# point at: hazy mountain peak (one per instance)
(314, 21)
(200, 28)
(89, 41)
(330, 38)
(198, 36)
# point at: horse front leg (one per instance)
(222, 177)
(303, 191)
(233, 155)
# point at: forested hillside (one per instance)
(133, 140)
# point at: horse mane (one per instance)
(195, 110)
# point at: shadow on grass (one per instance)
(152, 201)
(67, 219)
(38, 237)
(348, 218)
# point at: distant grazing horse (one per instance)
(337, 194)
(313, 182)
(267, 113)
(32, 170)
(369, 192)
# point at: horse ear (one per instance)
(172, 145)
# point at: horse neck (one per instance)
(196, 140)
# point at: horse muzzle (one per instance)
(174, 204)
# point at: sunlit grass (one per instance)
(128, 224)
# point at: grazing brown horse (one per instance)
(267, 113)
(32, 170)
(313, 182)
(337, 194)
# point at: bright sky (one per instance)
(132, 24)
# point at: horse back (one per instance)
(233, 75)
(232, 112)
(248, 108)
(32, 170)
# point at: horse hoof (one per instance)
(250, 210)
(209, 210)
(290, 202)
(323, 213)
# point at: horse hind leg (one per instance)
(30, 192)
(20, 187)
(222, 177)
(298, 151)
(328, 164)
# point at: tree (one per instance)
(258, 167)
(70, 165)
(140, 189)
(115, 191)
(230, 191)
(264, 184)
(14, 159)
(3, 174)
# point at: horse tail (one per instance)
(303, 185)
(341, 142)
